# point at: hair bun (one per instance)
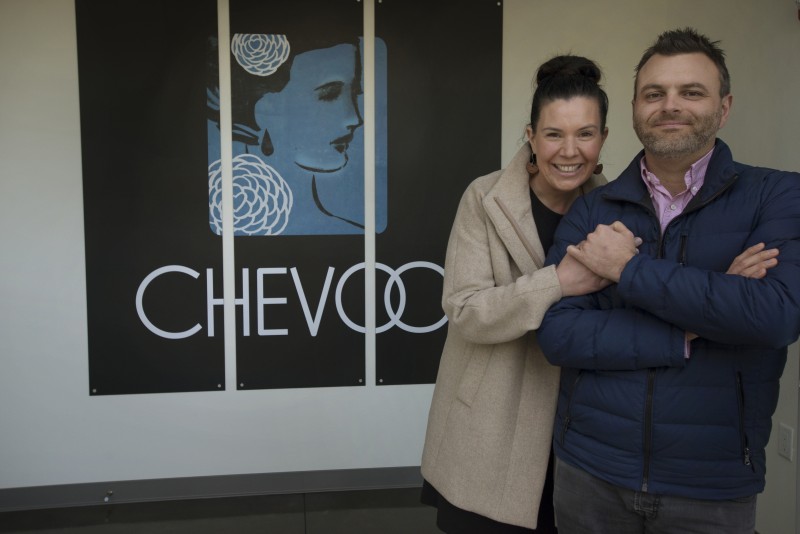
(568, 66)
(566, 77)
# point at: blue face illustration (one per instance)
(299, 168)
(311, 122)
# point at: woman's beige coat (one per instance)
(491, 419)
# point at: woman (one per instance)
(486, 460)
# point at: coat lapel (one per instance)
(508, 205)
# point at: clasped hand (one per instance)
(607, 250)
(590, 265)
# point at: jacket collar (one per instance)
(630, 187)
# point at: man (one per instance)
(670, 375)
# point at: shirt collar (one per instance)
(694, 177)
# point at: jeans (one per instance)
(587, 505)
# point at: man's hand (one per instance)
(576, 279)
(606, 251)
(754, 262)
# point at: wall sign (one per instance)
(149, 89)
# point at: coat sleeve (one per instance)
(602, 331)
(727, 308)
(481, 298)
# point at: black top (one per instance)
(546, 221)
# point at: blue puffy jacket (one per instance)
(632, 409)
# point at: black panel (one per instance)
(142, 73)
(444, 105)
(292, 354)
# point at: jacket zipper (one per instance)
(648, 423)
(647, 438)
(682, 258)
(742, 434)
(568, 415)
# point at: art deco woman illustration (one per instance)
(297, 120)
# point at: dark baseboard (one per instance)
(165, 489)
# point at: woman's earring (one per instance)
(531, 165)
(266, 144)
(598, 169)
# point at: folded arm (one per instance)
(756, 302)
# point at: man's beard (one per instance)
(676, 145)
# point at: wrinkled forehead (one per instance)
(679, 70)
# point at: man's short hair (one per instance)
(688, 41)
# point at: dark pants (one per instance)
(587, 505)
(454, 520)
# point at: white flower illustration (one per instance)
(258, 53)
(262, 200)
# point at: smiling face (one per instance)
(677, 108)
(312, 120)
(567, 143)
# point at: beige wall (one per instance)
(762, 41)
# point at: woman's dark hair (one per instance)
(565, 77)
